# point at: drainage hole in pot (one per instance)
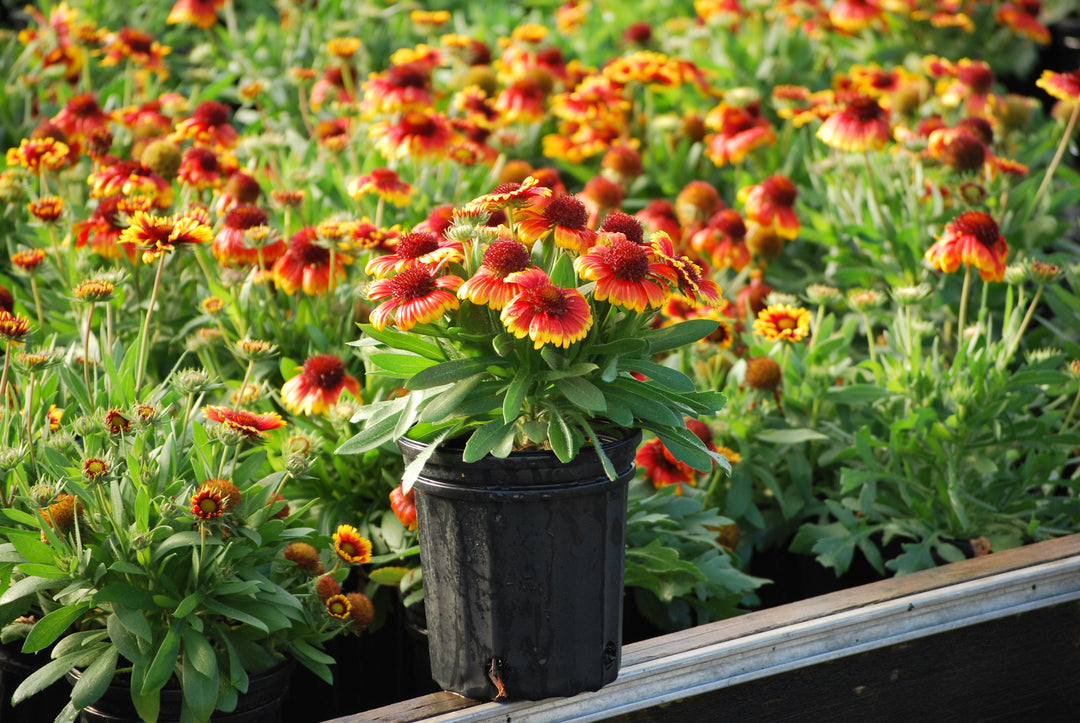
(610, 653)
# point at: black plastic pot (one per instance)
(15, 666)
(261, 704)
(523, 570)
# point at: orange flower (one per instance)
(413, 296)
(39, 154)
(972, 239)
(130, 178)
(384, 183)
(418, 134)
(28, 259)
(404, 506)
(46, 209)
(94, 467)
(740, 130)
(249, 424)
(306, 265)
(1023, 18)
(338, 606)
(399, 89)
(416, 248)
(351, 546)
(208, 126)
(233, 245)
(206, 504)
(772, 203)
(202, 168)
(625, 275)
(1063, 86)
(783, 322)
(564, 216)
(861, 124)
(508, 195)
(82, 117)
(851, 16)
(690, 281)
(103, 230)
(116, 422)
(318, 386)
(140, 47)
(200, 13)
(546, 313)
(661, 468)
(488, 286)
(158, 234)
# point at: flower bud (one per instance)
(763, 373)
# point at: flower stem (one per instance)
(37, 302)
(86, 352)
(141, 359)
(1057, 157)
(1072, 412)
(1024, 324)
(961, 317)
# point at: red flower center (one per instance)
(506, 256)
(418, 124)
(548, 300)
(83, 106)
(865, 109)
(629, 261)
(568, 212)
(505, 188)
(730, 223)
(624, 223)
(137, 40)
(978, 77)
(406, 76)
(781, 190)
(414, 282)
(204, 158)
(310, 254)
(245, 217)
(212, 113)
(977, 224)
(326, 371)
(964, 153)
(414, 245)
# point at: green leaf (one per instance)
(200, 690)
(390, 576)
(789, 436)
(401, 365)
(123, 639)
(232, 612)
(560, 437)
(856, 394)
(187, 605)
(28, 586)
(407, 342)
(444, 404)
(32, 548)
(95, 679)
(201, 654)
(582, 393)
(487, 438)
(679, 335)
(52, 626)
(374, 433)
(449, 372)
(515, 396)
(120, 592)
(671, 378)
(413, 468)
(51, 672)
(134, 621)
(164, 663)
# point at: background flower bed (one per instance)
(883, 437)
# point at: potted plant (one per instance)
(156, 557)
(525, 346)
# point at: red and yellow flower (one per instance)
(249, 424)
(416, 248)
(417, 134)
(861, 124)
(661, 468)
(546, 313)
(206, 504)
(208, 126)
(306, 265)
(783, 322)
(200, 13)
(384, 183)
(625, 275)
(772, 203)
(488, 286)
(351, 546)
(972, 239)
(318, 386)
(158, 234)
(565, 217)
(233, 245)
(415, 295)
(39, 154)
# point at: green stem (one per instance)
(141, 358)
(961, 317)
(1057, 157)
(1024, 324)
(37, 302)
(86, 352)
(1072, 412)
